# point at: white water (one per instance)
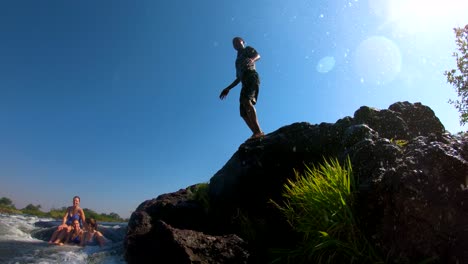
(17, 245)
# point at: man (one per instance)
(246, 73)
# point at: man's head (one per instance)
(238, 43)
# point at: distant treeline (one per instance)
(7, 207)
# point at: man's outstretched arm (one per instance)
(225, 91)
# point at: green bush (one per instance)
(9, 210)
(57, 213)
(7, 206)
(319, 206)
(199, 193)
(6, 203)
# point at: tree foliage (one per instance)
(112, 217)
(31, 207)
(459, 77)
(6, 202)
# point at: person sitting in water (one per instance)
(92, 236)
(73, 213)
(74, 237)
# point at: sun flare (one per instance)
(412, 16)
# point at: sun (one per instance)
(413, 16)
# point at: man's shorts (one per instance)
(250, 89)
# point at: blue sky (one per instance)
(117, 101)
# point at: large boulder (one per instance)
(175, 245)
(175, 208)
(419, 207)
(412, 187)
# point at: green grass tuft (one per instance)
(319, 206)
(399, 142)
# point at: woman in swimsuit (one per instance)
(92, 237)
(73, 213)
(75, 237)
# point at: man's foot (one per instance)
(257, 135)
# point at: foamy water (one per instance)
(19, 243)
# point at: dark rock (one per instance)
(46, 229)
(46, 224)
(175, 208)
(419, 118)
(113, 234)
(412, 199)
(357, 133)
(43, 234)
(387, 123)
(187, 246)
(423, 209)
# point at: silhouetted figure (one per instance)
(246, 73)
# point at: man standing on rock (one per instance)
(246, 73)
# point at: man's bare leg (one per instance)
(247, 121)
(251, 119)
